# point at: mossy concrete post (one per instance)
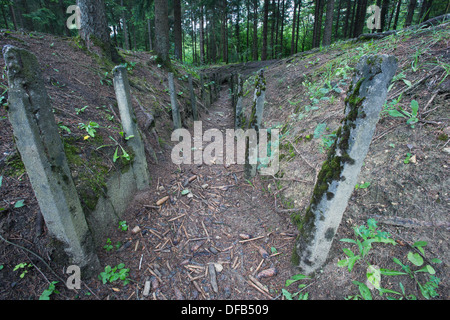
(130, 128)
(193, 99)
(337, 179)
(238, 116)
(256, 116)
(173, 99)
(40, 147)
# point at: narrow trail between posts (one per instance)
(215, 236)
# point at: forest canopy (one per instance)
(204, 32)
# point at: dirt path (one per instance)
(193, 246)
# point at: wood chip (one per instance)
(212, 277)
(252, 239)
(263, 252)
(267, 273)
(146, 291)
(162, 201)
(136, 230)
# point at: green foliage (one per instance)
(123, 226)
(416, 265)
(410, 116)
(24, 267)
(299, 294)
(109, 246)
(111, 275)
(49, 291)
(365, 236)
(90, 128)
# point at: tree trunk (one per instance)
(328, 24)
(282, 27)
(317, 32)
(255, 30)
(248, 29)
(238, 35)
(162, 32)
(126, 39)
(265, 29)
(177, 29)
(294, 24)
(94, 29)
(384, 12)
(202, 37)
(276, 28)
(397, 14)
(410, 15)
(347, 19)
(13, 15)
(425, 12)
(149, 29)
(338, 19)
(360, 18)
(298, 26)
(272, 32)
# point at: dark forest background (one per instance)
(226, 31)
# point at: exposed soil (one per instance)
(228, 230)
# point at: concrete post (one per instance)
(256, 116)
(238, 108)
(338, 176)
(173, 98)
(193, 100)
(38, 141)
(129, 124)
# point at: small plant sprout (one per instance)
(90, 128)
(119, 272)
(411, 117)
(23, 267)
(49, 291)
(299, 294)
(123, 226)
(365, 236)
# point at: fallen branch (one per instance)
(411, 222)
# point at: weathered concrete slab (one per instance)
(37, 139)
(173, 99)
(338, 177)
(129, 124)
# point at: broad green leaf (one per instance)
(436, 260)
(19, 204)
(348, 252)
(115, 155)
(428, 269)
(342, 263)
(318, 132)
(374, 276)
(185, 192)
(348, 240)
(396, 113)
(414, 107)
(364, 290)
(415, 258)
(388, 272)
(383, 290)
(286, 294)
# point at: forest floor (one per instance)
(218, 235)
